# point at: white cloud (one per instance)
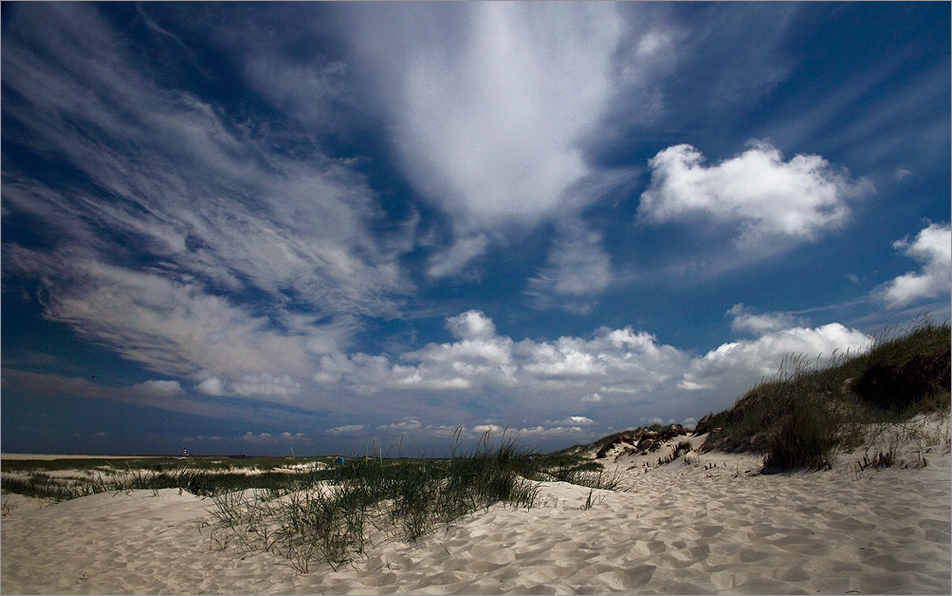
(472, 325)
(746, 321)
(765, 196)
(541, 433)
(266, 384)
(933, 248)
(409, 424)
(172, 328)
(195, 213)
(259, 439)
(159, 388)
(269, 439)
(583, 267)
(489, 130)
(308, 91)
(734, 367)
(611, 369)
(453, 259)
(487, 428)
(346, 429)
(490, 102)
(572, 421)
(579, 269)
(211, 386)
(618, 362)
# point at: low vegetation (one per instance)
(330, 520)
(64, 479)
(803, 416)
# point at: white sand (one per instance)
(677, 529)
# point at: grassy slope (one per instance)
(804, 414)
(801, 417)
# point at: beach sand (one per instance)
(708, 524)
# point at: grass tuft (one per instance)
(328, 520)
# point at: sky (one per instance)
(332, 228)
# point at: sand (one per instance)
(708, 524)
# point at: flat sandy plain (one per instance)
(706, 524)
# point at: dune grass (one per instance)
(329, 520)
(804, 415)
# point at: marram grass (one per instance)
(804, 415)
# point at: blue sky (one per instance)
(251, 228)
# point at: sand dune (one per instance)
(706, 525)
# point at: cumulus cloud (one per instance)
(756, 191)
(620, 362)
(409, 424)
(472, 325)
(211, 386)
(572, 421)
(346, 429)
(270, 439)
(932, 247)
(733, 367)
(480, 356)
(614, 367)
(537, 433)
(747, 321)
